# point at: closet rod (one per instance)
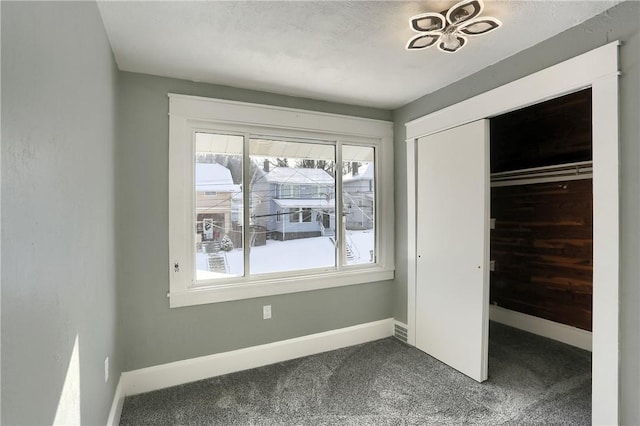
(540, 180)
(555, 173)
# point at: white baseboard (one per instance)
(190, 370)
(563, 333)
(116, 406)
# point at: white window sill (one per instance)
(274, 286)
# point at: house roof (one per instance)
(214, 177)
(295, 175)
(364, 173)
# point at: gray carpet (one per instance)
(532, 380)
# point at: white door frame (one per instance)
(597, 69)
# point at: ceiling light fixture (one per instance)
(448, 29)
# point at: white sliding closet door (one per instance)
(452, 291)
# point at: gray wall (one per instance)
(619, 23)
(58, 219)
(153, 333)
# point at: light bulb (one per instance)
(450, 41)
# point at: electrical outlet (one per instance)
(106, 369)
(266, 312)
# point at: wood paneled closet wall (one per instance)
(542, 243)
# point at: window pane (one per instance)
(218, 206)
(294, 215)
(298, 179)
(306, 215)
(358, 198)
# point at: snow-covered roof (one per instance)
(295, 175)
(214, 177)
(365, 172)
(313, 203)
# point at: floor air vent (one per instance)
(400, 332)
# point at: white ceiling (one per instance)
(342, 51)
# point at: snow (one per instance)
(363, 245)
(295, 175)
(214, 177)
(365, 172)
(293, 255)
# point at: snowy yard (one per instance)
(293, 255)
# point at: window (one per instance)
(289, 191)
(359, 200)
(267, 200)
(306, 215)
(218, 200)
(301, 215)
(294, 216)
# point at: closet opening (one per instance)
(542, 211)
(597, 70)
(541, 237)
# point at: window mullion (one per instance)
(246, 203)
(340, 234)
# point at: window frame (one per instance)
(191, 114)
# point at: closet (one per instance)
(542, 210)
(557, 126)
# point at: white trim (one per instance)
(412, 249)
(553, 330)
(606, 252)
(190, 370)
(597, 69)
(565, 77)
(274, 286)
(117, 404)
(196, 107)
(191, 114)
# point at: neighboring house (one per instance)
(294, 202)
(358, 197)
(214, 201)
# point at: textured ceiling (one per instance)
(342, 51)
